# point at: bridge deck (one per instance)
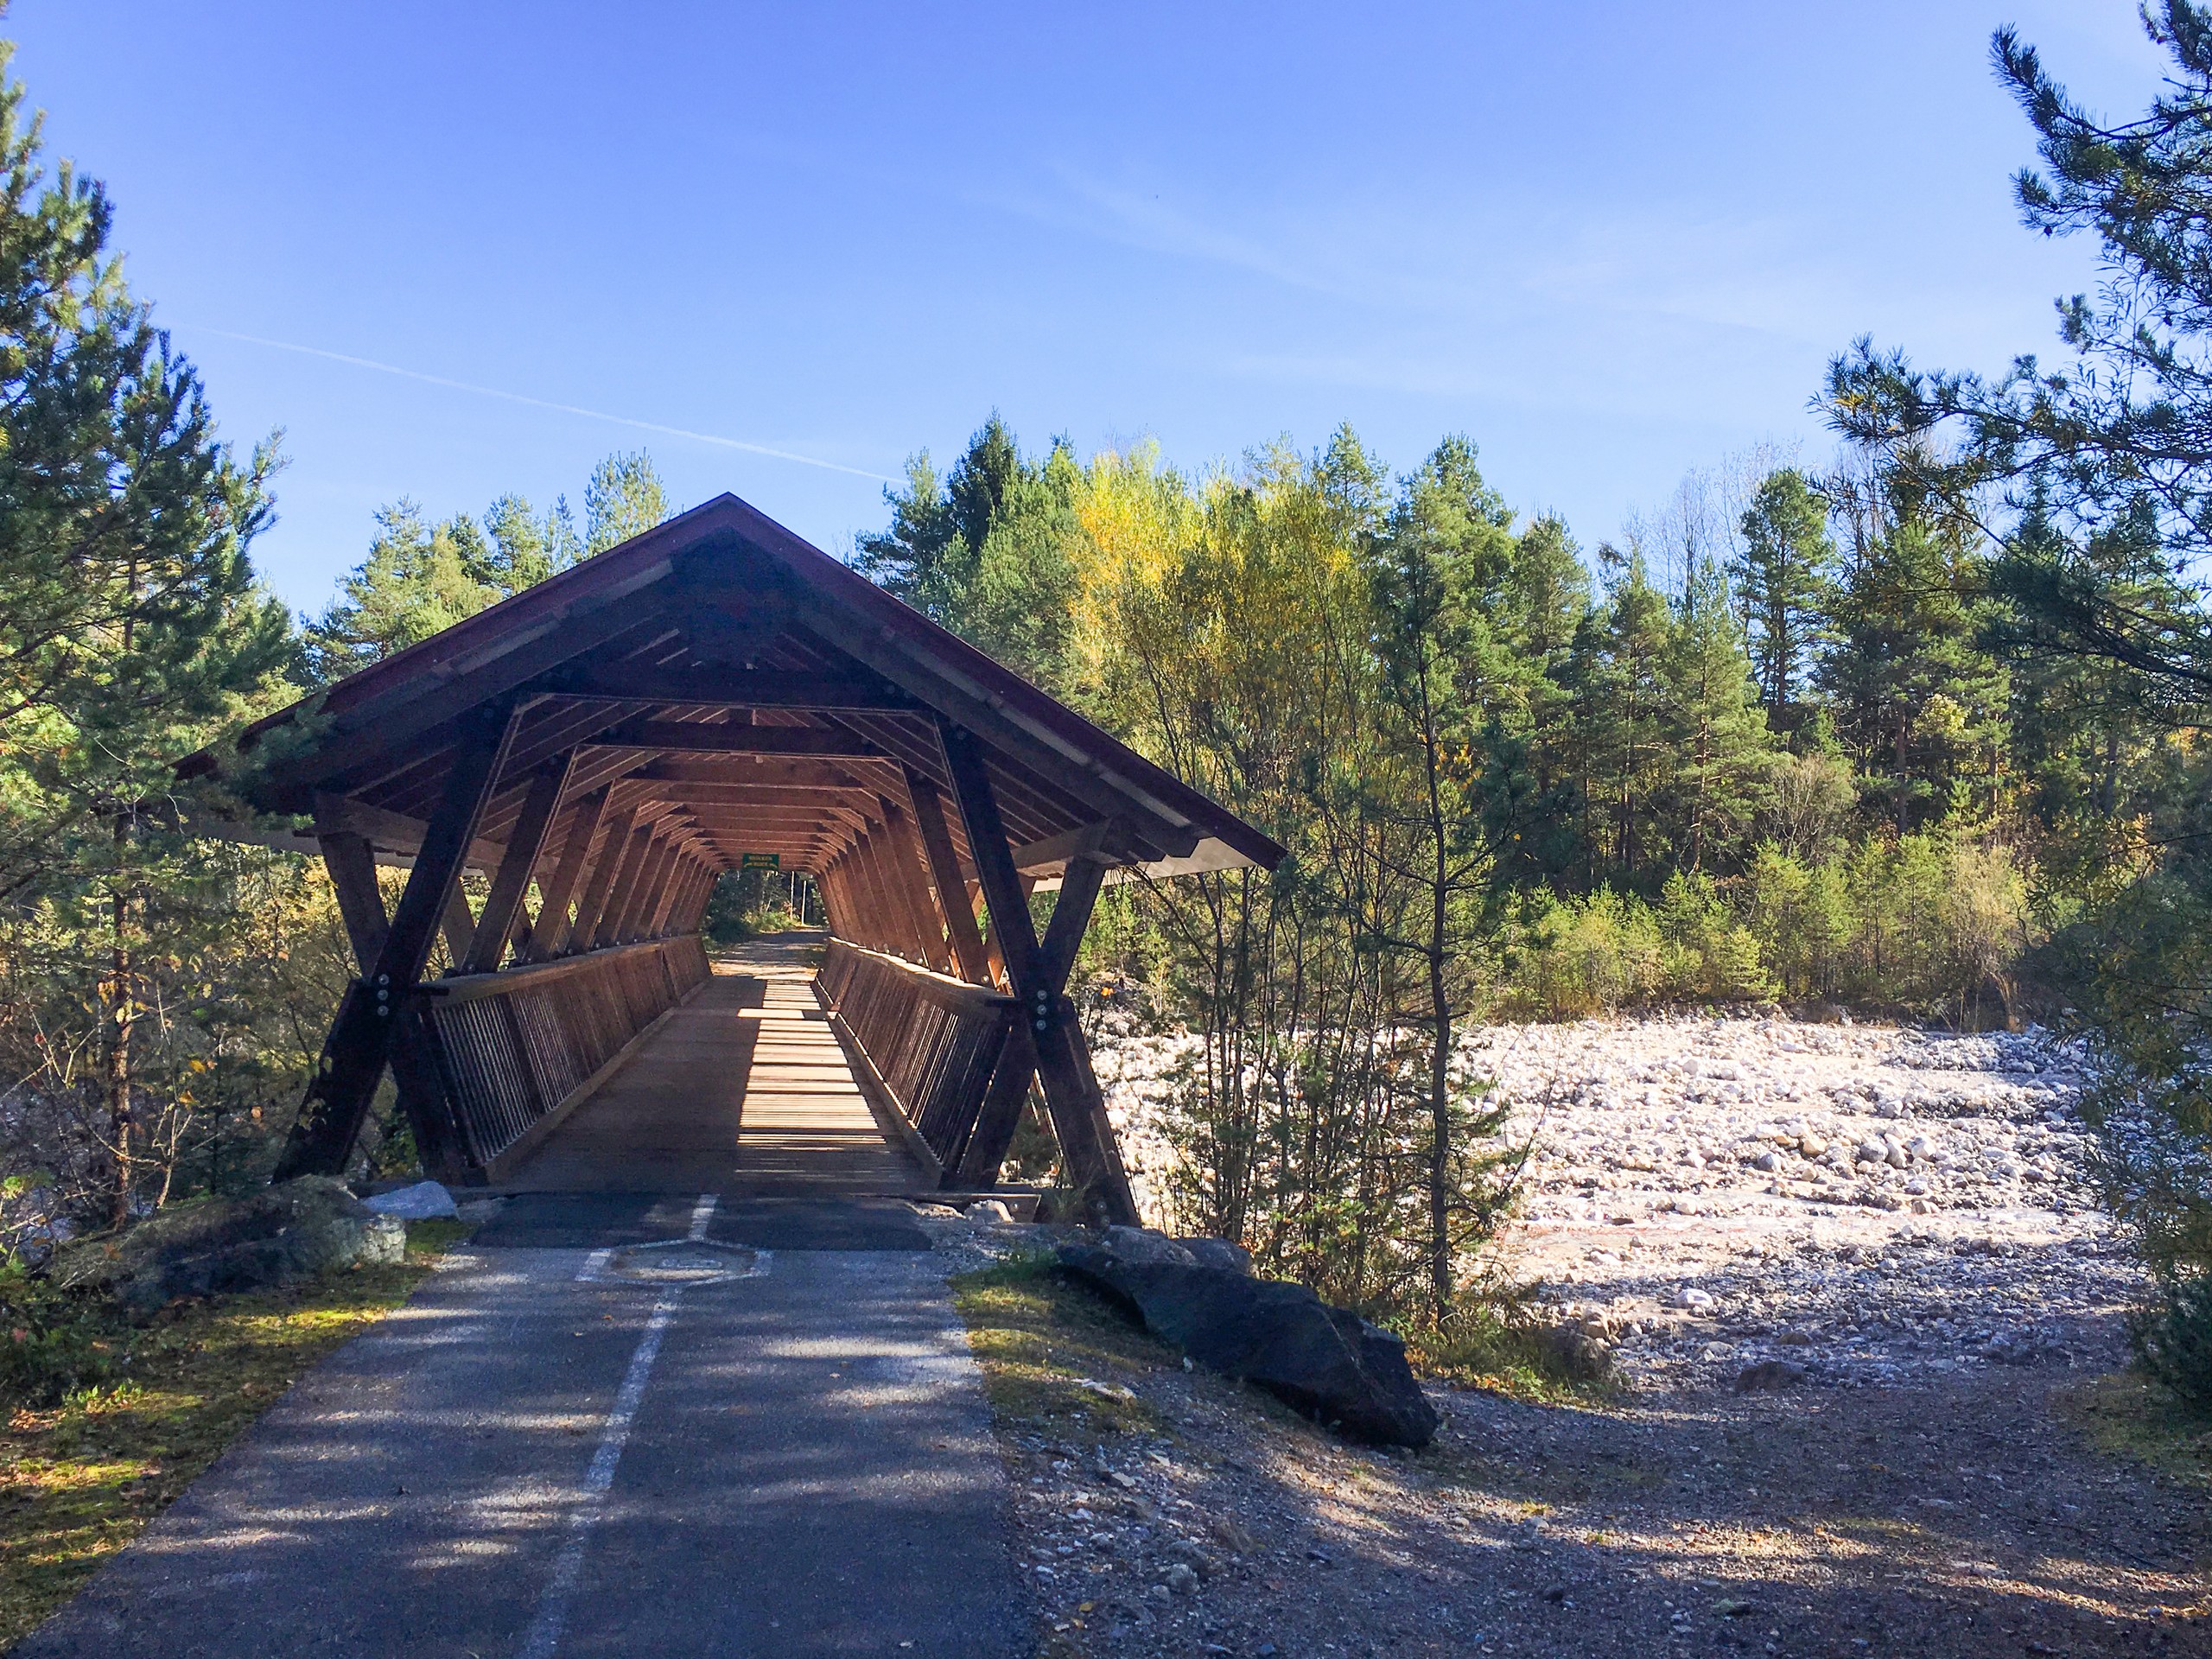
(742, 1091)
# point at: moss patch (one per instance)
(2127, 1415)
(1055, 1354)
(79, 1481)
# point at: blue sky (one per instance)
(1609, 242)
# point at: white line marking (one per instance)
(568, 1566)
(701, 1213)
(593, 1270)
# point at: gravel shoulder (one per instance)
(1864, 1325)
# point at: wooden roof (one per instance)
(745, 689)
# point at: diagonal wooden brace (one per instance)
(362, 1037)
(1039, 972)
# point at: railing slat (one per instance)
(932, 1040)
(514, 1046)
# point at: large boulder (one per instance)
(288, 1232)
(1326, 1361)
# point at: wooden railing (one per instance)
(931, 1043)
(515, 1049)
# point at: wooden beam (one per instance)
(773, 770)
(743, 792)
(361, 1039)
(673, 881)
(1071, 1092)
(614, 846)
(496, 925)
(1070, 915)
(709, 797)
(650, 888)
(950, 886)
(1108, 838)
(682, 737)
(458, 924)
(352, 865)
(626, 881)
(393, 833)
(903, 845)
(1000, 1114)
(735, 688)
(905, 916)
(556, 890)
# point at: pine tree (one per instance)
(420, 578)
(1436, 571)
(1784, 580)
(1622, 709)
(1918, 701)
(1720, 732)
(623, 498)
(991, 552)
(130, 623)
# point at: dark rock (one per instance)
(1142, 1244)
(1217, 1253)
(285, 1233)
(1769, 1374)
(1326, 1361)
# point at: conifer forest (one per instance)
(1909, 724)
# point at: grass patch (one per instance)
(80, 1480)
(1492, 1346)
(1055, 1354)
(2127, 1415)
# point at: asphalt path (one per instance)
(607, 1444)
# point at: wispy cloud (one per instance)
(715, 439)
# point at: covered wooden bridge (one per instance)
(604, 747)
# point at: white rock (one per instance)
(424, 1201)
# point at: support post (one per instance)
(879, 932)
(504, 903)
(1071, 1092)
(951, 887)
(625, 883)
(361, 1040)
(458, 925)
(655, 901)
(636, 925)
(1001, 1113)
(831, 885)
(555, 892)
(904, 848)
(612, 845)
(352, 865)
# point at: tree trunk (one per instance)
(1441, 1274)
(116, 1082)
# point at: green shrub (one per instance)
(2173, 1340)
(51, 1343)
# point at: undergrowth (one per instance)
(1494, 1343)
(1055, 1355)
(84, 1469)
(2128, 1414)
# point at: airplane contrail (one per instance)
(544, 402)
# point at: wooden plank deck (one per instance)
(742, 1091)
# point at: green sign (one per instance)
(762, 861)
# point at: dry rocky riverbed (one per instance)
(1858, 1307)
